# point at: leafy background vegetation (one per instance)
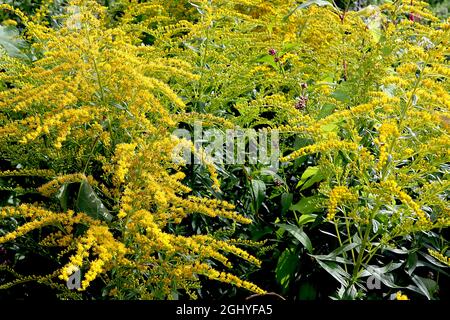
(91, 91)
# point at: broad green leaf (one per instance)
(326, 110)
(432, 267)
(89, 203)
(287, 48)
(426, 287)
(299, 234)
(258, 232)
(432, 260)
(386, 50)
(374, 25)
(411, 263)
(274, 175)
(328, 79)
(286, 201)
(63, 196)
(309, 172)
(306, 218)
(314, 179)
(268, 59)
(308, 205)
(329, 127)
(286, 267)
(259, 193)
(11, 42)
(341, 95)
(320, 3)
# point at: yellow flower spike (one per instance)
(439, 256)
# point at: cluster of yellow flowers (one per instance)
(50, 188)
(39, 218)
(204, 269)
(322, 147)
(388, 132)
(337, 196)
(392, 189)
(97, 108)
(98, 103)
(439, 256)
(122, 156)
(98, 241)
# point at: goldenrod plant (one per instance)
(91, 115)
(91, 92)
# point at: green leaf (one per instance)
(63, 196)
(432, 260)
(309, 172)
(335, 271)
(374, 25)
(329, 127)
(306, 218)
(426, 287)
(286, 201)
(411, 263)
(308, 205)
(287, 48)
(314, 176)
(333, 256)
(259, 193)
(11, 42)
(386, 50)
(341, 95)
(326, 110)
(286, 267)
(317, 178)
(268, 59)
(299, 234)
(89, 203)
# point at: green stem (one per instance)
(364, 242)
(340, 242)
(361, 251)
(347, 226)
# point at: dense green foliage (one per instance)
(91, 93)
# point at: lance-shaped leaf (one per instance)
(298, 234)
(11, 42)
(89, 203)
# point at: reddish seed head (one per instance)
(272, 52)
(412, 17)
(304, 85)
(301, 102)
